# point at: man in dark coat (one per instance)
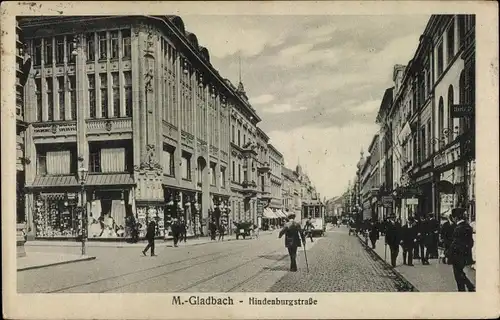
(308, 230)
(374, 233)
(176, 231)
(150, 236)
(293, 237)
(421, 240)
(182, 230)
(213, 230)
(393, 238)
(433, 236)
(447, 236)
(408, 239)
(460, 252)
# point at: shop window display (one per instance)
(110, 215)
(55, 216)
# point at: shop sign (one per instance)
(461, 111)
(412, 201)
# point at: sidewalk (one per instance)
(35, 260)
(191, 241)
(436, 277)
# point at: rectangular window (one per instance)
(50, 99)
(113, 159)
(440, 59)
(128, 93)
(423, 149)
(450, 38)
(92, 98)
(72, 96)
(91, 47)
(461, 29)
(116, 94)
(114, 45)
(104, 94)
(232, 133)
(429, 139)
(186, 166)
(95, 160)
(48, 52)
(239, 140)
(213, 175)
(168, 160)
(239, 173)
(38, 88)
(37, 54)
(60, 91)
(233, 172)
(102, 46)
(126, 44)
(70, 50)
(60, 50)
(41, 163)
(223, 177)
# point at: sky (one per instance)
(316, 81)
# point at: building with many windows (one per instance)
(430, 122)
(136, 102)
(276, 163)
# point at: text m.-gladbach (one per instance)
(203, 301)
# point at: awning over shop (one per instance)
(109, 179)
(268, 214)
(281, 214)
(54, 181)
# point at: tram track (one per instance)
(219, 255)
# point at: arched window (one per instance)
(440, 120)
(461, 100)
(450, 124)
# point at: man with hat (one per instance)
(460, 252)
(393, 238)
(433, 236)
(408, 240)
(293, 238)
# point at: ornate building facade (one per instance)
(136, 102)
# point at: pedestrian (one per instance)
(421, 238)
(222, 230)
(293, 238)
(374, 233)
(176, 231)
(308, 229)
(433, 234)
(150, 236)
(447, 236)
(392, 238)
(182, 230)
(213, 230)
(408, 239)
(460, 251)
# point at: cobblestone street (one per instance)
(337, 262)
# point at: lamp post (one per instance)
(82, 175)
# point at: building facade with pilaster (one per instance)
(135, 100)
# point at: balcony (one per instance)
(265, 167)
(249, 188)
(249, 148)
(54, 129)
(109, 126)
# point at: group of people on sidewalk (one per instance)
(179, 234)
(419, 239)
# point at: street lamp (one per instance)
(82, 175)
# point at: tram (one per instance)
(316, 213)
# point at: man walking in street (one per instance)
(433, 233)
(182, 230)
(393, 238)
(409, 237)
(293, 238)
(150, 236)
(460, 252)
(176, 231)
(222, 230)
(309, 229)
(374, 233)
(422, 231)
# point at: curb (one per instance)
(407, 284)
(56, 263)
